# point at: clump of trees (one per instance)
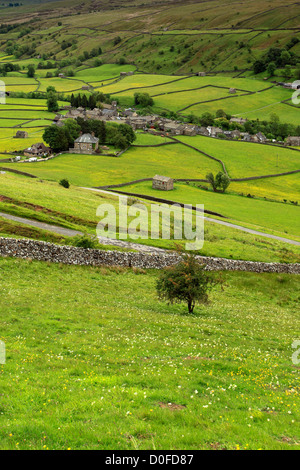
(188, 282)
(276, 57)
(219, 183)
(89, 102)
(143, 99)
(8, 67)
(52, 103)
(64, 183)
(60, 139)
(30, 71)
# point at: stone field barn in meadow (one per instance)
(163, 183)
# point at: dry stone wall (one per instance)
(42, 251)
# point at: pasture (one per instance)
(258, 214)
(102, 371)
(76, 208)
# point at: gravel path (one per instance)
(50, 228)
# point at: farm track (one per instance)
(41, 225)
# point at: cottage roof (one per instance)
(87, 138)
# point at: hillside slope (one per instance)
(170, 36)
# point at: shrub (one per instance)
(65, 183)
(85, 241)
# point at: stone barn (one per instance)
(21, 135)
(164, 183)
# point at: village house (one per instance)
(164, 183)
(21, 135)
(237, 120)
(85, 144)
(215, 131)
(203, 131)
(138, 123)
(235, 134)
(190, 130)
(293, 141)
(201, 74)
(129, 113)
(261, 137)
(110, 113)
(232, 91)
(93, 113)
(37, 150)
(173, 128)
(246, 137)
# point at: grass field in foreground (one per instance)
(107, 366)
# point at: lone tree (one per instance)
(222, 181)
(218, 183)
(187, 282)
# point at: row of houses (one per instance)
(156, 124)
(107, 112)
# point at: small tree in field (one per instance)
(187, 282)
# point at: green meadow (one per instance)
(93, 370)
(282, 219)
(76, 209)
(243, 159)
(136, 163)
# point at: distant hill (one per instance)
(166, 36)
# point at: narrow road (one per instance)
(65, 232)
(72, 233)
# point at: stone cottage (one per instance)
(293, 141)
(85, 144)
(37, 150)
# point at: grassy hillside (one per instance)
(167, 36)
(76, 209)
(109, 367)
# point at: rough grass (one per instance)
(104, 365)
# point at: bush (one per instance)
(85, 241)
(65, 183)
